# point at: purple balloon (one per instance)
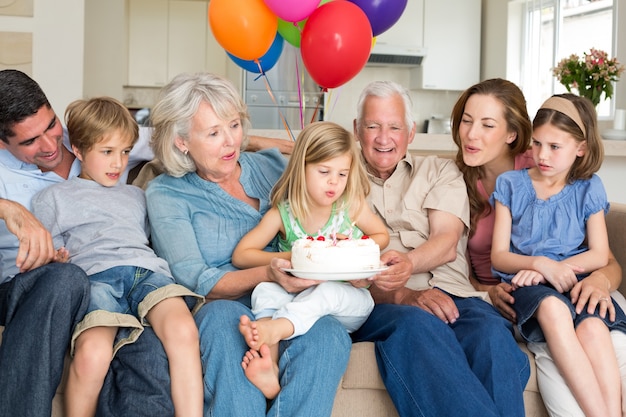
(382, 14)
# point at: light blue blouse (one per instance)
(196, 225)
(555, 227)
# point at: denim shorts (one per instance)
(527, 300)
(122, 296)
(122, 288)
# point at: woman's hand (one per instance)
(290, 283)
(593, 291)
(502, 299)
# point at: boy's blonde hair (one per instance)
(319, 142)
(585, 166)
(91, 121)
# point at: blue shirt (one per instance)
(196, 224)
(556, 227)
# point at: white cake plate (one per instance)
(335, 276)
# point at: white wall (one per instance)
(57, 27)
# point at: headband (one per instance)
(563, 105)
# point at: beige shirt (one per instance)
(417, 185)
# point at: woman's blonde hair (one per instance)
(176, 106)
(91, 121)
(319, 142)
(588, 164)
(517, 120)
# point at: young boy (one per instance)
(102, 226)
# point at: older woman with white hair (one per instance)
(211, 194)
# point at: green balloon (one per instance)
(290, 32)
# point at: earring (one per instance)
(185, 152)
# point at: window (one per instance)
(554, 29)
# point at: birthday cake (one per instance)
(328, 255)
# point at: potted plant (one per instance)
(591, 75)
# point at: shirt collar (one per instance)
(405, 163)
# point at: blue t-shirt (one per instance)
(556, 227)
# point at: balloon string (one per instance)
(336, 99)
(317, 107)
(300, 100)
(269, 90)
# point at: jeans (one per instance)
(426, 367)
(310, 365)
(39, 310)
(138, 381)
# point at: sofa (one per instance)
(361, 391)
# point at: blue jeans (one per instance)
(138, 381)
(425, 367)
(39, 310)
(310, 365)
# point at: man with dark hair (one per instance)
(40, 301)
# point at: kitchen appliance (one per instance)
(288, 79)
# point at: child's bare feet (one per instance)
(264, 331)
(262, 371)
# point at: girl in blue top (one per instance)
(322, 192)
(543, 215)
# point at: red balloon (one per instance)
(336, 42)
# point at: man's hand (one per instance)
(35, 243)
(397, 274)
(434, 301)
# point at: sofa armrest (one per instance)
(616, 225)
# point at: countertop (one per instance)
(442, 144)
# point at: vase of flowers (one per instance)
(592, 75)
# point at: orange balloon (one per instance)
(245, 28)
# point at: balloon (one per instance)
(290, 32)
(336, 42)
(267, 61)
(292, 10)
(244, 28)
(382, 14)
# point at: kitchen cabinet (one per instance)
(166, 37)
(451, 37)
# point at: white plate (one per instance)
(613, 134)
(335, 276)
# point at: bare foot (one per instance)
(262, 371)
(248, 330)
(264, 331)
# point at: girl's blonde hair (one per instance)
(91, 121)
(319, 142)
(585, 166)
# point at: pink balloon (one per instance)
(292, 10)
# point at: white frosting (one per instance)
(350, 255)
